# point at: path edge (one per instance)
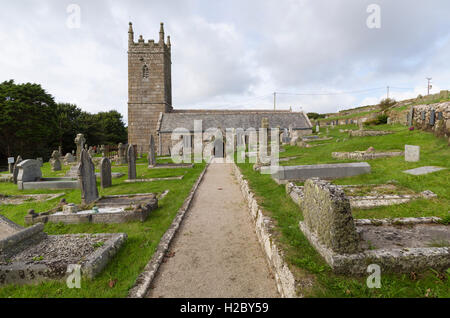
(285, 280)
(144, 280)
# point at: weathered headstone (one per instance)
(131, 163)
(15, 169)
(121, 150)
(91, 151)
(151, 152)
(432, 117)
(55, 162)
(88, 181)
(68, 159)
(105, 173)
(412, 153)
(29, 171)
(79, 141)
(328, 215)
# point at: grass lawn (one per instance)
(307, 264)
(143, 238)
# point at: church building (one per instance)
(150, 110)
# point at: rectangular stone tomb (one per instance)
(365, 133)
(26, 198)
(284, 174)
(396, 245)
(50, 183)
(364, 201)
(365, 155)
(172, 165)
(108, 209)
(113, 174)
(30, 256)
(155, 179)
(423, 170)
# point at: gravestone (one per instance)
(412, 153)
(15, 169)
(121, 152)
(10, 164)
(29, 170)
(91, 151)
(68, 158)
(423, 115)
(328, 215)
(88, 181)
(432, 117)
(79, 141)
(423, 170)
(131, 163)
(55, 162)
(151, 152)
(105, 173)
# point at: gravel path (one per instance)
(216, 252)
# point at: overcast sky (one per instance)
(232, 54)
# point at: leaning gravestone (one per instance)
(131, 163)
(412, 153)
(15, 169)
(88, 182)
(55, 162)
(151, 153)
(105, 173)
(327, 214)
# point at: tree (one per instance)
(27, 120)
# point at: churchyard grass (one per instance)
(143, 238)
(307, 264)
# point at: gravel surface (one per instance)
(68, 249)
(215, 252)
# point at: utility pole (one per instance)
(274, 100)
(388, 92)
(429, 85)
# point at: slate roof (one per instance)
(232, 119)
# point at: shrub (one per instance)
(387, 103)
(380, 120)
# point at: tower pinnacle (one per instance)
(161, 34)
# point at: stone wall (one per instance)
(434, 118)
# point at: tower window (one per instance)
(145, 72)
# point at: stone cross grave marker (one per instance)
(88, 181)
(105, 173)
(131, 163)
(79, 141)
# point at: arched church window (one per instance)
(145, 72)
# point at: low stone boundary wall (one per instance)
(286, 283)
(144, 280)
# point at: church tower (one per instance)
(149, 86)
